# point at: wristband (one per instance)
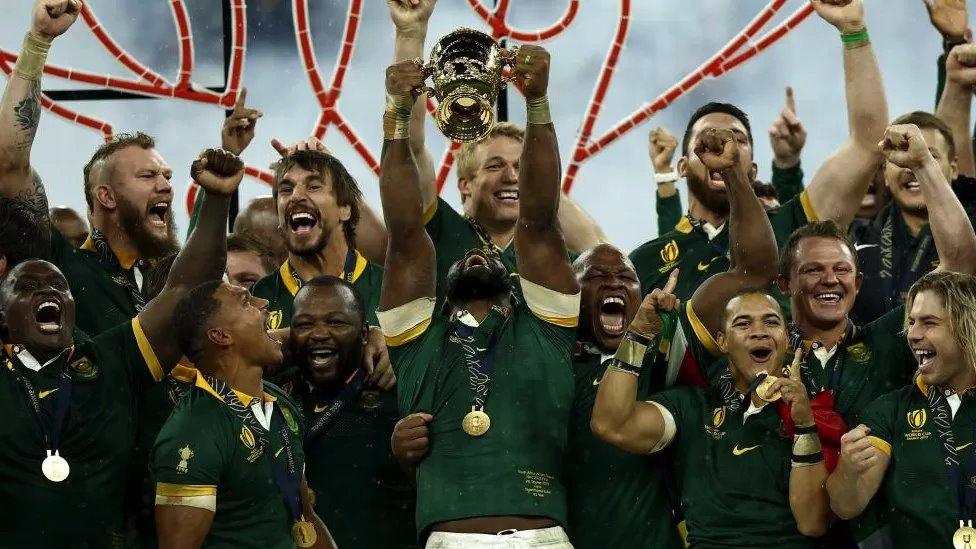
(811, 430)
(622, 367)
(807, 461)
(538, 111)
(33, 55)
(663, 178)
(855, 39)
(806, 445)
(396, 119)
(949, 43)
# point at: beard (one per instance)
(309, 247)
(348, 359)
(150, 245)
(715, 201)
(464, 286)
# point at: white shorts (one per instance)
(551, 538)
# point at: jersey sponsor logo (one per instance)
(319, 408)
(859, 247)
(83, 368)
(596, 382)
(278, 453)
(43, 394)
(274, 320)
(718, 419)
(736, 451)
(916, 422)
(859, 353)
(963, 447)
(185, 454)
(289, 419)
(704, 265)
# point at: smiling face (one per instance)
(477, 276)
(823, 282)
(902, 183)
(308, 210)
(141, 196)
(240, 324)
(490, 194)
(610, 295)
(709, 187)
(328, 335)
(931, 337)
(38, 309)
(754, 335)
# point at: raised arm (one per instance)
(582, 232)
(838, 186)
(952, 231)
(539, 244)
(787, 136)
(661, 145)
(20, 113)
(957, 102)
(752, 244)
(618, 417)
(410, 262)
(410, 17)
(858, 475)
(203, 257)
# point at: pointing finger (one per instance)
(241, 99)
(672, 282)
(790, 102)
(795, 367)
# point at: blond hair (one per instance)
(958, 293)
(465, 157)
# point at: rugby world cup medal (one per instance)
(476, 422)
(303, 532)
(763, 389)
(55, 467)
(965, 536)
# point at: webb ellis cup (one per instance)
(466, 66)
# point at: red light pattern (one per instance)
(739, 49)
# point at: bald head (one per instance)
(70, 224)
(260, 220)
(600, 253)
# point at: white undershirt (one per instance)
(263, 413)
(824, 354)
(31, 363)
(711, 230)
(137, 274)
(954, 402)
(753, 410)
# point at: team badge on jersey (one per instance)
(83, 368)
(274, 320)
(185, 454)
(718, 419)
(669, 256)
(859, 353)
(370, 400)
(916, 422)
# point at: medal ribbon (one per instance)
(327, 417)
(733, 399)
(479, 361)
(942, 416)
(347, 270)
(51, 433)
(889, 263)
(286, 475)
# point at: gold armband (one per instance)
(806, 445)
(539, 111)
(396, 119)
(630, 353)
(33, 55)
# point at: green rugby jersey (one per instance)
(360, 491)
(699, 255)
(86, 509)
(205, 455)
(734, 474)
(280, 287)
(516, 468)
(922, 509)
(99, 286)
(616, 499)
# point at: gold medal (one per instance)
(762, 390)
(965, 536)
(303, 532)
(476, 422)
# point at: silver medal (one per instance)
(55, 467)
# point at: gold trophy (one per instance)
(466, 67)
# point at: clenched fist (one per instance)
(218, 171)
(856, 450)
(404, 78)
(847, 16)
(411, 439)
(904, 146)
(961, 65)
(410, 16)
(53, 17)
(717, 149)
(661, 145)
(530, 66)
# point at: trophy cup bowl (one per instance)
(466, 67)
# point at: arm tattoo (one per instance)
(27, 113)
(25, 224)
